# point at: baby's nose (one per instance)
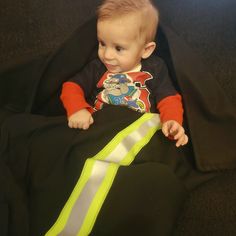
(108, 54)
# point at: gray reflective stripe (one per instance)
(82, 204)
(122, 149)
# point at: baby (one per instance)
(126, 73)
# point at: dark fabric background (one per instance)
(29, 29)
(33, 28)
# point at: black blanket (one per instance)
(41, 158)
(47, 157)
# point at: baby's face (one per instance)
(120, 45)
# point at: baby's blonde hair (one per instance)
(148, 12)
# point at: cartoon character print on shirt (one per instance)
(124, 89)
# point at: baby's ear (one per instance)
(148, 49)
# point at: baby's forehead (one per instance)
(128, 24)
(123, 30)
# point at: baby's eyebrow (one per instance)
(120, 45)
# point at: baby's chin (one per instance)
(115, 71)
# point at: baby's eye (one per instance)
(119, 48)
(101, 43)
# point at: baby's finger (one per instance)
(80, 125)
(91, 120)
(85, 126)
(174, 128)
(72, 124)
(185, 139)
(165, 129)
(69, 124)
(179, 133)
(180, 141)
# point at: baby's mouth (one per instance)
(110, 66)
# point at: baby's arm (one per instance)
(81, 119)
(171, 114)
(78, 110)
(173, 129)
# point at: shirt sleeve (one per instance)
(171, 108)
(72, 97)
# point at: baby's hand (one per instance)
(81, 119)
(173, 129)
